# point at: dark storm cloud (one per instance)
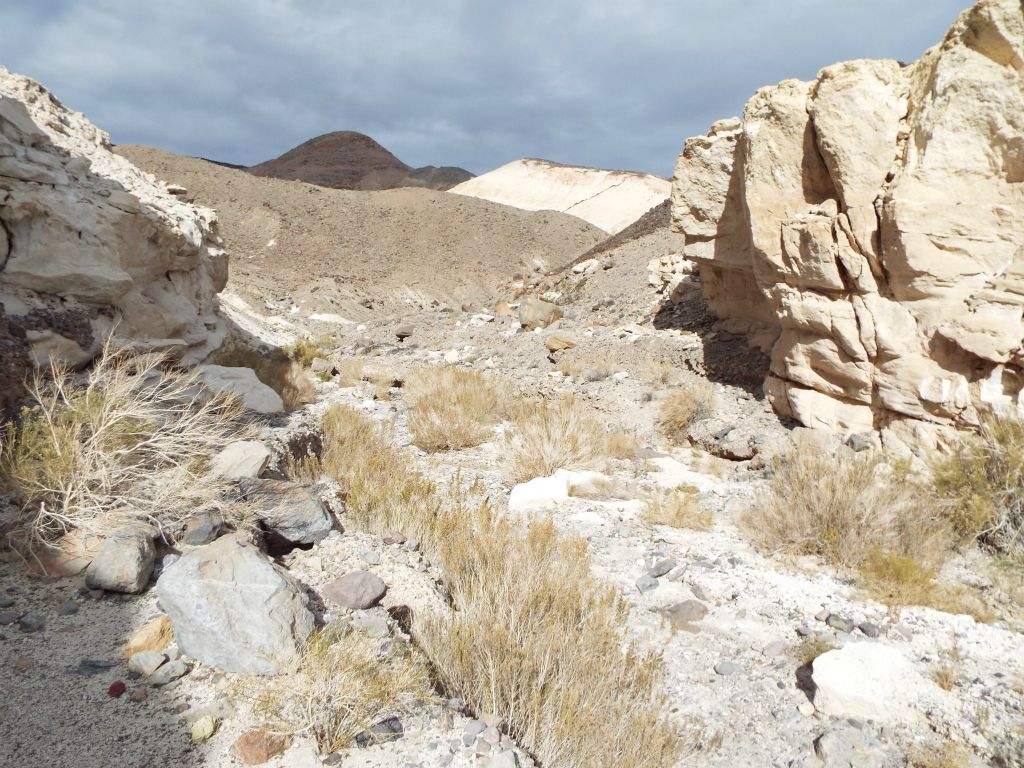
(612, 83)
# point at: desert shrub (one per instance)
(549, 435)
(981, 485)
(450, 408)
(345, 683)
(126, 441)
(843, 509)
(813, 646)
(276, 369)
(304, 351)
(684, 406)
(533, 637)
(679, 508)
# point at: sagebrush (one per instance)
(981, 485)
(126, 441)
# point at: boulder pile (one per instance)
(866, 228)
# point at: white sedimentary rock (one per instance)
(871, 223)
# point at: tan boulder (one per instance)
(154, 636)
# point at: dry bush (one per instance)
(946, 755)
(344, 685)
(813, 646)
(685, 406)
(304, 351)
(450, 409)
(679, 508)
(950, 670)
(549, 435)
(285, 376)
(533, 637)
(981, 485)
(843, 509)
(128, 441)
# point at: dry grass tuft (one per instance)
(127, 442)
(981, 486)
(947, 755)
(679, 508)
(685, 406)
(450, 409)
(304, 351)
(345, 684)
(533, 637)
(549, 435)
(844, 509)
(813, 646)
(950, 670)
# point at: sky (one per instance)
(475, 83)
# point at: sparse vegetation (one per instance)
(450, 409)
(844, 510)
(684, 406)
(305, 350)
(946, 755)
(124, 442)
(559, 434)
(813, 646)
(950, 669)
(679, 508)
(534, 638)
(344, 685)
(981, 485)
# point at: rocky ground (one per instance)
(730, 623)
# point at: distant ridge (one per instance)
(352, 160)
(611, 200)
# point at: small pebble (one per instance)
(139, 695)
(6, 602)
(9, 617)
(726, 668)
(370, 557)
(33, 621)
(116, 689)
(869, 628)
(661, 567)
(839, 623)
(69, 609)
(646, 583)
(22, 663)
(698, 592)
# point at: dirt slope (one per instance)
(345, 252)
(350, 160)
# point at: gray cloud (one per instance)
(461, 82)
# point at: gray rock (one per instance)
(240, 460)
(123, 563)
(69, 608)
(901, 632)
(370, 557)
(504, 759)
(168, 673)
(860, 442)
(373, 624)
(646, 583)
(202, 529)
(241, 382)
(357, 590)
(491, 735)
(233, 609)
(776, 648)
(6, 602)
(145, 663)
(683, 614)
(726, 668)
(9, 617)
(475, 727)
(698, 592)
(33, 621)
(839, 623)
(661, 567)
(844, 746)
(869, 628)
(289, 509)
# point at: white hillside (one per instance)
(611, 200)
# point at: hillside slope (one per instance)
(339, 251)
(611, 200)
(351, 160)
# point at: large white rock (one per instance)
(868, 228)
(242, 382)
(241, 459)
(867, 680)
(539, 493)
(90, 245)
(611, 200)
(233, 609)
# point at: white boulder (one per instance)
(867, 680)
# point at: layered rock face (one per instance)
(869, 228)
(91, 246)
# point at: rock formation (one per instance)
(351, 160)
(867, 228)
(90, 245)
(611, 200)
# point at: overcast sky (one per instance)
(476, 83)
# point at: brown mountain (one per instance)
(351, 160)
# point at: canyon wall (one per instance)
(867, 229)
(92, 247)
